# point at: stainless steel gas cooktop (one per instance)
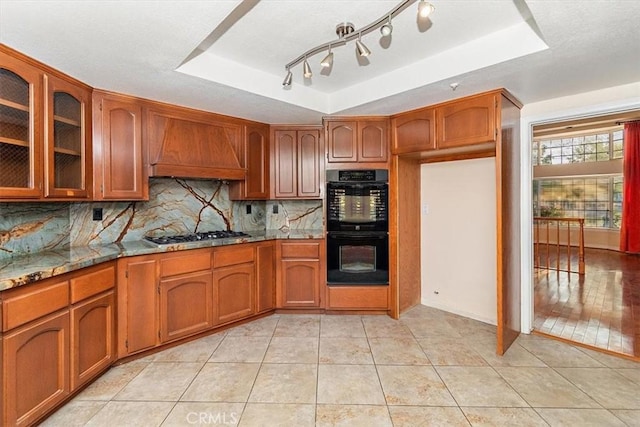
(195, 237)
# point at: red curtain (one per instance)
(630, 230)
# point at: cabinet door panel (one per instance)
(342, 143)
(36, 369)
(285, 157)
(185, 305)
(233, 292)
(93, 338)
(469, 121)
(118, 149)
(265, 280)
(309, 163)
(257, 162)
(20, 129)
(300, 283)
(414, 132)
(373, 144)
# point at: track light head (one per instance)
(306, 70)
(328, 60)
(425, 9)
(287, 79)
(387, 28)
(361, 49)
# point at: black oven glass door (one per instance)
(357, 206)
(357, 258)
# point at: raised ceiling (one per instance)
(229, 56)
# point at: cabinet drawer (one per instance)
(185, 262)
(33, 302)
(232, 256)
(92, 283)
(301, 250)
(357, 297)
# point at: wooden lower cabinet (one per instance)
(357, 297)
(300, 274)
(93, 337)
(233, 292)
(185, 305)
(137, 304)
(36, 369)
(265, 276)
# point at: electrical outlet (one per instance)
(275, 209)
(97, 214)
(248, 209)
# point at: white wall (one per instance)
(458, 237)
(595, 103)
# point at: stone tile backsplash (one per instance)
(175, 206)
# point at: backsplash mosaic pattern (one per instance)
(175, 206)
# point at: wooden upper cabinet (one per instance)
(414, 131)
(296, 169)
(119, 172)
(67, 139)
(467, 121)
(355, 141)
(342, 141)
(21, 107)
(254, 156)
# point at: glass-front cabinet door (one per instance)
(66, 157)
(20, 135)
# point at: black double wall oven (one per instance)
(357, 227)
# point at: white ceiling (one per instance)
(229, 56)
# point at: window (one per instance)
(591, 147)
(596, 199)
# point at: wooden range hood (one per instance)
(189, 148)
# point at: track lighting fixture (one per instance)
(346, 32)
(306, 69)
(425, 9)
(387, 28)
(361, 49)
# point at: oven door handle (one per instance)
(358, 235)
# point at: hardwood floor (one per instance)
(600, 309)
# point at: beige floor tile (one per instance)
(348, 351)
(258, 328)
(131, 414)
(298, 325)
(285, 383)
(203, 414)
(160, 381)
(471, 328)
(545, 388)
(516, 355)
(450, 352)
(632, 374)
(277, 414)
(352, 416)
(241, 349)
(579, 417)
(341, 326)
(606, 386)
(479, 386)
(424, 328)
(74, 413)
(557, 354)
(630, 417)
(413, 385)
(512, 417)
(609, 360)
(349, 384)
(195, 351)
(111, 383)
(292, 350)
(427, 416)
(222, 382)
(384, 326)
(397, 351)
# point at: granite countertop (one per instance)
(22, 270)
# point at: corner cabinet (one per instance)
(118, 156)
(414, 131)
(468, 121)
(301, 273)
(253, 154)
(364, 140)
(45, 132)
(296, 170)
